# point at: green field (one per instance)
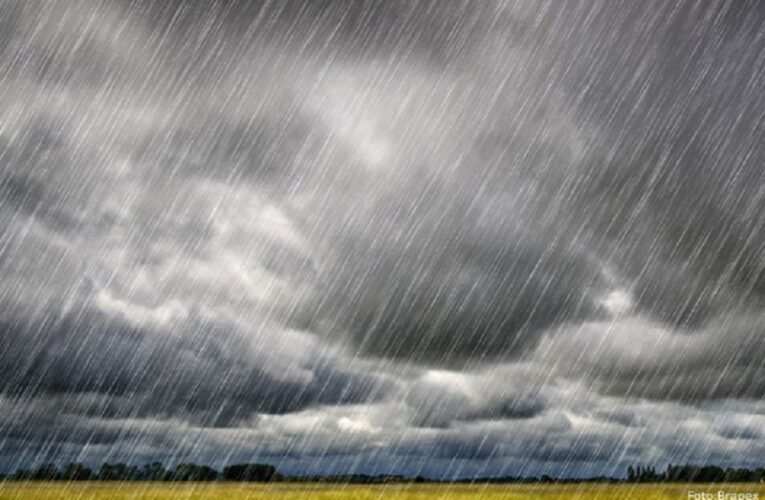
(160, 491)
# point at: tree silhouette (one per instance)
(250, 472)
(154, 471)
(193, 472)
(76, 472)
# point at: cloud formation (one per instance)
(503, 236)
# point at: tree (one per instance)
(76, 472)
(117, 472)
(154, 471)
(250, 472)
(44, 472)
(193, 472)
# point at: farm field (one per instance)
(235, 491)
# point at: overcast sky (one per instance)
(445, 238)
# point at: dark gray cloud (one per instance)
(209, 378)
(677, 180)
(637, 358)
(445, 399)
(454, 288)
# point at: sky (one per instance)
(446, 238)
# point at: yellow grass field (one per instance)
(233, 491)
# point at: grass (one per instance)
(236, 491)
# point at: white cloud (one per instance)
(161, 316)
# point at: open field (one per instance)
(161, 491)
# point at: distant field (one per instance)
(161, 491)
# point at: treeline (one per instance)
(254, 472)
(694, 474)
(150, 472)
